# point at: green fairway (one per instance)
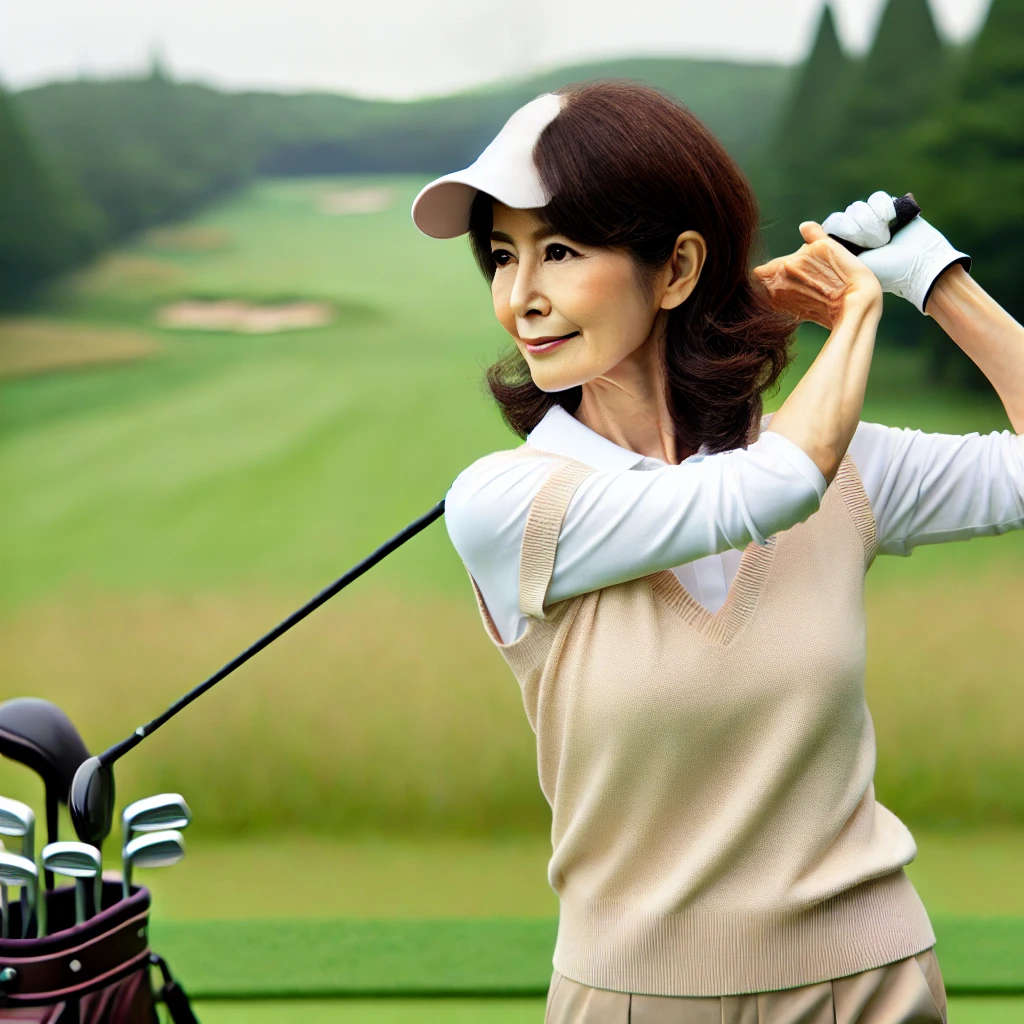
(386, 1011)
(235, 459)
(962, 1010)
(958, 873)
(470, 957)
(161, 513)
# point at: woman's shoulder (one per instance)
(520, 462)
(491, 498)
(496, 478)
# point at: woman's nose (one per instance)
(527, 296)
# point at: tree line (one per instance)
(131, 153)
(85, 164)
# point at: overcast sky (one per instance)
(409, 48)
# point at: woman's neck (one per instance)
(629, 405)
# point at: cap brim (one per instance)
(441, 209)
(504, 170)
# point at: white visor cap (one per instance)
(505, 170)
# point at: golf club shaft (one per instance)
(108, 757)
(79, 900)
(52, 830)
(42, 925)
(29, 904)
(5, 912)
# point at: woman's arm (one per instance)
(826, 283)
(624, 523)
(932, 488)
(986, 332)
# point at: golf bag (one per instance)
(97, 972)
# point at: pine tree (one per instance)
(965, 165)
(45, 227)
(802, 154)
(903, 80)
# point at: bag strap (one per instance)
(172, 994)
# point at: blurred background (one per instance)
(230, 367)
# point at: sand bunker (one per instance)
(357, 200)
(187, 238)
(29, 345)
(244, 317)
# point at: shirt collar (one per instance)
(560, 433)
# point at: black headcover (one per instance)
(37, 734)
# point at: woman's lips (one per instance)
(539, 348)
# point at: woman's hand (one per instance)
(819, 280)
(908, 263)
(824, 282)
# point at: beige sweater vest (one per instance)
(714, 825)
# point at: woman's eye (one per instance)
(501, 257)
(558, 252)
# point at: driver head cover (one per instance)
(504, 170)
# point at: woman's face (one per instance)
(575, 311)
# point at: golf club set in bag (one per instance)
(78, 954)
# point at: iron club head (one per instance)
(76, 860)
(155, 814)
(91, 801)
(19, 820)
(15, 870)
(79, 861)
(151, 850)
(156, 849)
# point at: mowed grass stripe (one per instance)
(508, 957)
(962, 1010)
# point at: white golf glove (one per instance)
(908, 263)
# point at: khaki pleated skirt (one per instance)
(909, 991)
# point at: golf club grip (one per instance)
(108, 757)
(906, 210)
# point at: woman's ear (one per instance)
(683, 270)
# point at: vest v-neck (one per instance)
(724, 625)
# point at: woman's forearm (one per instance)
(823, 410)
(986, 332)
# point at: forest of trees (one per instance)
(84, 164)
(127, 154)
(46, 225)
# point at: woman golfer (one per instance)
(677, 582)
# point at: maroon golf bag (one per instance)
(97, 972)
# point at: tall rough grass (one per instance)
(387, 713)
(377, 713)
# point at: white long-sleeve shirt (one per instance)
(637, 515)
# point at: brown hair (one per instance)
(630, 167)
